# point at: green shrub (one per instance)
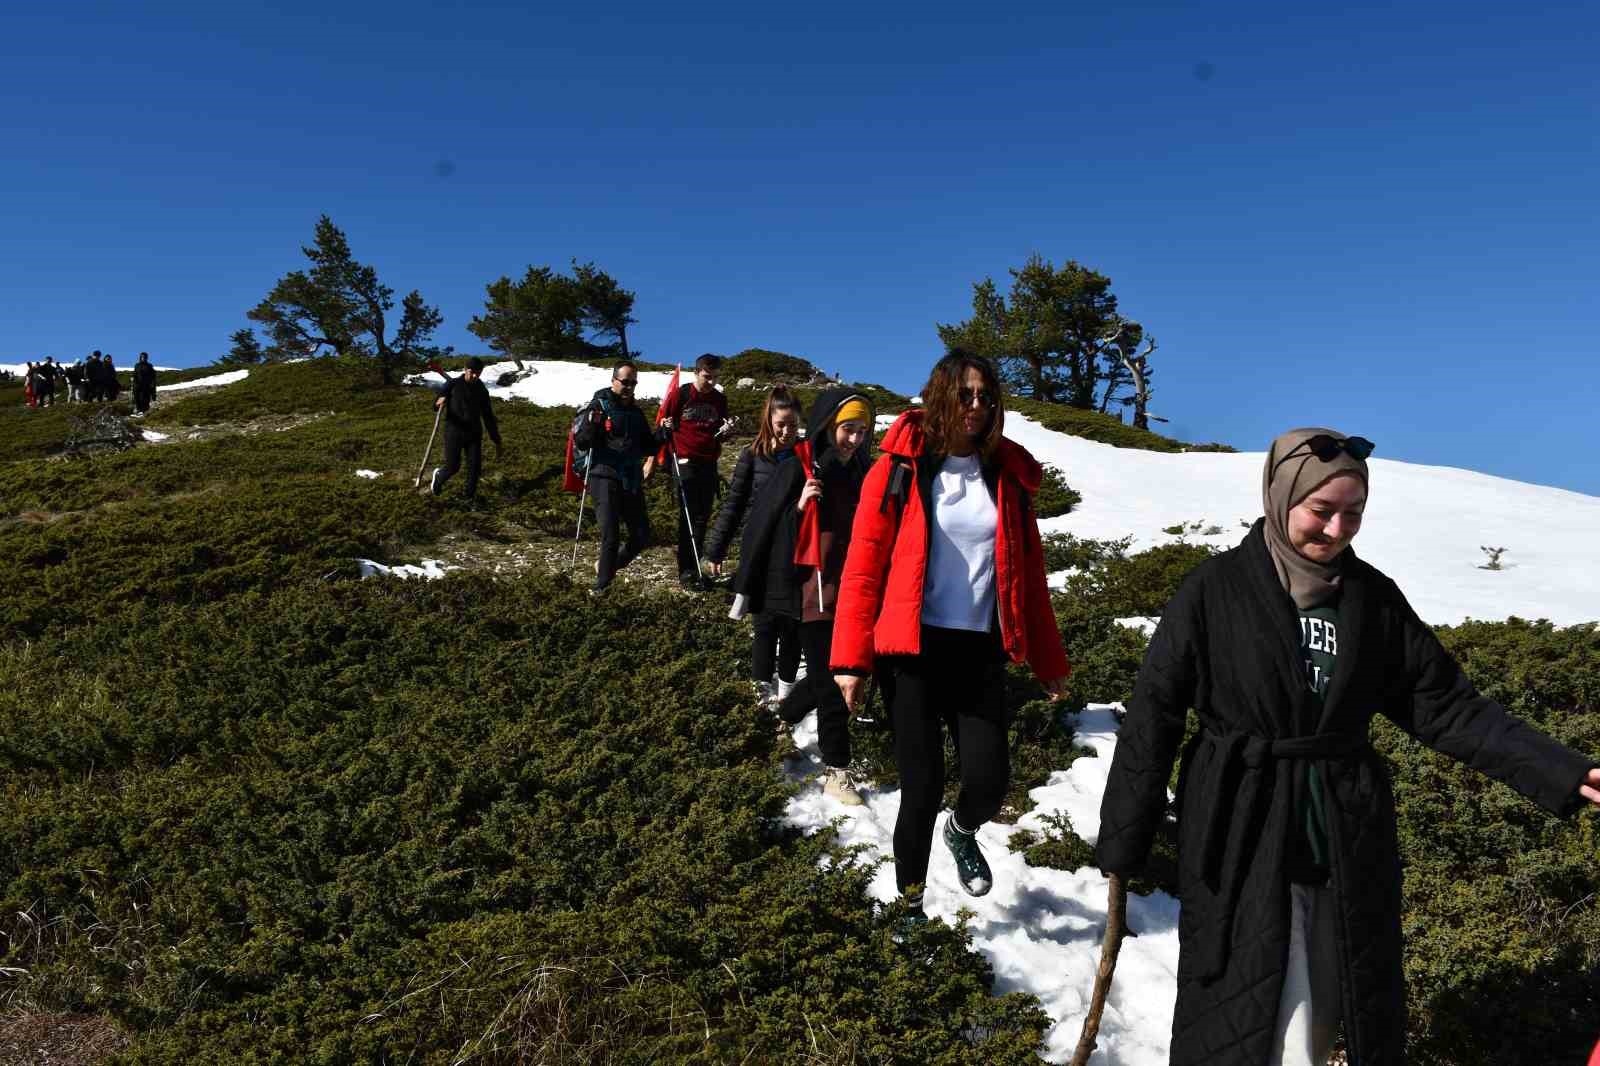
(1055, 497)
(767, 367)
(313, 805)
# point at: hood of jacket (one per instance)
(907, 440)
(820, 423)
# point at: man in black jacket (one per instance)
(618, 437)
(144, 383)
(466, 414)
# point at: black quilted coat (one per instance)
(1228, 646)
(749, 474)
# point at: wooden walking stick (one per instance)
(1116, 929)
(438, 413)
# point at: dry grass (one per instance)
(28, 1039)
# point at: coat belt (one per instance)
(1219, 848)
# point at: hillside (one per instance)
(266, 809)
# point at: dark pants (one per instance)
(455, 450)
(777, 641)
(699, 478)
(142, 398)
(614, 505)
(818, 690)
(957, 683)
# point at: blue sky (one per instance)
(1377, 217)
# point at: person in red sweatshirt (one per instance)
(702, 413)
(945, 582)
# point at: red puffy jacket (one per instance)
(879, 611)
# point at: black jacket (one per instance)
(144, 377)
(467, 412)
(768, 578)
(750, 473)
(618, 438)
(1228, 646)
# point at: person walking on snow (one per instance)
(144, 383)
(467, 412)
(777, 635)
(944, 583)
(700, 411)
(619, 439)
(1289, 867)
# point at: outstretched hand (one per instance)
(1590, 789)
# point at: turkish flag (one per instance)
(570, 481)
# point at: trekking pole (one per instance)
(579, 533)
(1116, 929)
(683, 497)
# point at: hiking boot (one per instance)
(836, 785)
(971, 867)
(433, 485)
(691, 581)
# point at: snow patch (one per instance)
(430, 569)
(1147, 626)
(152, 435)
(370, 475)
(206, 382)
(1041, 929)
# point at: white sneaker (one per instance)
(784, 688)
(433, 485)
(836, 785)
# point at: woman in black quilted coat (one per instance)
(1288, 867)
(776, 651)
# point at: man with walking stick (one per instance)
(465, 403)
(701, 415)
(618, 437)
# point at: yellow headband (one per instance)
(854, 409)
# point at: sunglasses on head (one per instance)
(1327, 447)
(965, 396)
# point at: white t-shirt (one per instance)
(958, 592)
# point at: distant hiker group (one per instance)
(92, 380)
(922, 572)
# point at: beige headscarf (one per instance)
(1309, 583)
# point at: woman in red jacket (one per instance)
(945, 582)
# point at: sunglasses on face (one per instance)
(627, 383)
(966, 396)
(1327, 447)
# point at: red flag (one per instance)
(570, 481)
(669, 409)
(808, 539)
(27, 392)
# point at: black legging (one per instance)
(818, 690)
(777, 642)
(957, 682)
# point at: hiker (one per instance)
(701, 415)
(144, 383)
(30, 387)
(111, 386)
(777, 635)
(618, 438)
(1286, 646)
(945, 582)
(45, 372)
(94, 377)
(74, 374)
(467, 412)
(793, 553)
